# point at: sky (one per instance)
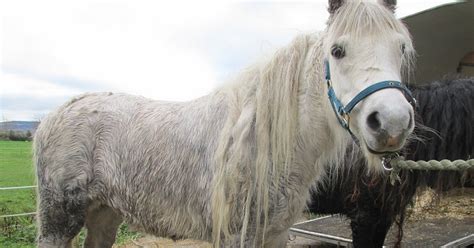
(166, 50)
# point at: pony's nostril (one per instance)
(373, 121)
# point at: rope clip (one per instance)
(387, 166)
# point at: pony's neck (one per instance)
(279, 123)
(324, 141)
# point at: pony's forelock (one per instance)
(358, 18)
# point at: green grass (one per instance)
(16, 169)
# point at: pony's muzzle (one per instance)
(388, 130)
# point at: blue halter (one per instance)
(342, 112)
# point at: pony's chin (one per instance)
(374, 161)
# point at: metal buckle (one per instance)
(328, 82)
(346, 118)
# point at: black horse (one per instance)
(445, 117)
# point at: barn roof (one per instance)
(442, 36)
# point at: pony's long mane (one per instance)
(261, 124)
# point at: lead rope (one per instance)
(395, 163)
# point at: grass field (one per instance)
(16, 169)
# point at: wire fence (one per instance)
(17, 188)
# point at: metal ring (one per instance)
(386, 161)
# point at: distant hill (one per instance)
(21, 126)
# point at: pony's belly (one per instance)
(178, 227)
(175, 210)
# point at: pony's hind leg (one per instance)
(102, 224)
(61, 215)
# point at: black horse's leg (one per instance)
(369, 228)
(362, 232)
(380, 232)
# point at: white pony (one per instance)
(233, 167)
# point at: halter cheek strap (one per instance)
(342, 112)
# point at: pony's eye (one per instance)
(338, 52)
(403, 48)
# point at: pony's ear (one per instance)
(334, 5)
(390, 4)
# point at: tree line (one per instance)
(16, 135)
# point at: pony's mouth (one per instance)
(379, 152)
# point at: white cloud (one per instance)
(29, 98)
(32, 87)
(143, 47)
(117, 44)
(170, 50)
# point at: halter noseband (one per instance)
(342, 112)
